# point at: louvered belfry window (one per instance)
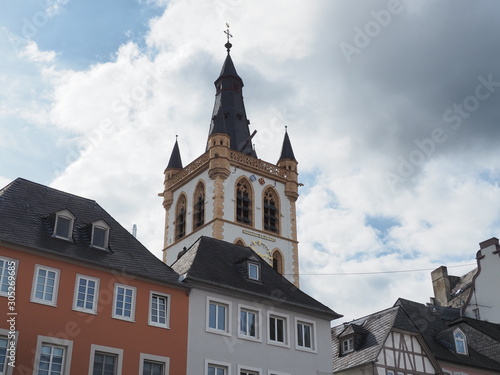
(243, 203)
(270, 211)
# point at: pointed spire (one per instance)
(175, 158)
(286, 149)
(229, 116)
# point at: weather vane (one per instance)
(228, 34)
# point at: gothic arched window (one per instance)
(278, 261)
(243, 202)
(199, 206)
(271, 211)
(180, 217)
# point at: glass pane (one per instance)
(99, 238)
(212, 311)
(221, 317)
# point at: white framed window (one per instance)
(278, 329)
(218, 316)
(124, 302)
(347, 345)
(159, 309)
(63, 226)
(249, 326)
(460, 342)
(105, 360)
(153, 364)
(305, 335)
(245, 370)
(52, 356)
(8, 339)
(86, 294)
(45, 285)
(100, 235)
(217, 368)
(8, 273)
(254, 271)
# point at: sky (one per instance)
(392, 109)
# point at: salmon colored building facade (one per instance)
(73, 307)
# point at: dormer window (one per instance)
(254, 271)
(347, 345)
(460, 342)
(100, 235)
(63, 227)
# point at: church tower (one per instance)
(228, 193)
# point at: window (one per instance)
(460, 342)
(53, 356)
(278, 329)
(199, 206)
(86, 292)
(271, 212)
(100, 234)
(4, 343)
(217, 368)
(249, 323)
(45, 285)
(153, 365)
(254, 271)
(63, 227)
(218, 316)
(104, 364)
(278, 261)
(180, 218)
(347, 345)
(305, 335)
(243, 203)
(105, 360)
(8, 270)
(159, 310)
(248, 371)
(124, 302)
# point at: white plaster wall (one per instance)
(235, 351)
(485, 297)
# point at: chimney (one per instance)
(441, 285)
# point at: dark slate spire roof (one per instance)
(218, 263)
(175, 158)
(286, 149)
(27, 219)
(229, 115)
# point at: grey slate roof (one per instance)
(175, 158)
(27, 219)
(221, 264)
(229, 115)
(435, 326)
(286, 149)
(375, 329)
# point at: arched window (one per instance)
(199, 206)
(180, 217)
(243, 202)
(460, 342)
(278, 261)
(271, 211)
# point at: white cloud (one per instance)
(349, 125)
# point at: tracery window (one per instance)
(199, 206)
(271, 212)
(243, 202)
(180, 218)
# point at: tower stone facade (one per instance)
(228, 193)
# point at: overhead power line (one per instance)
(380, 272)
